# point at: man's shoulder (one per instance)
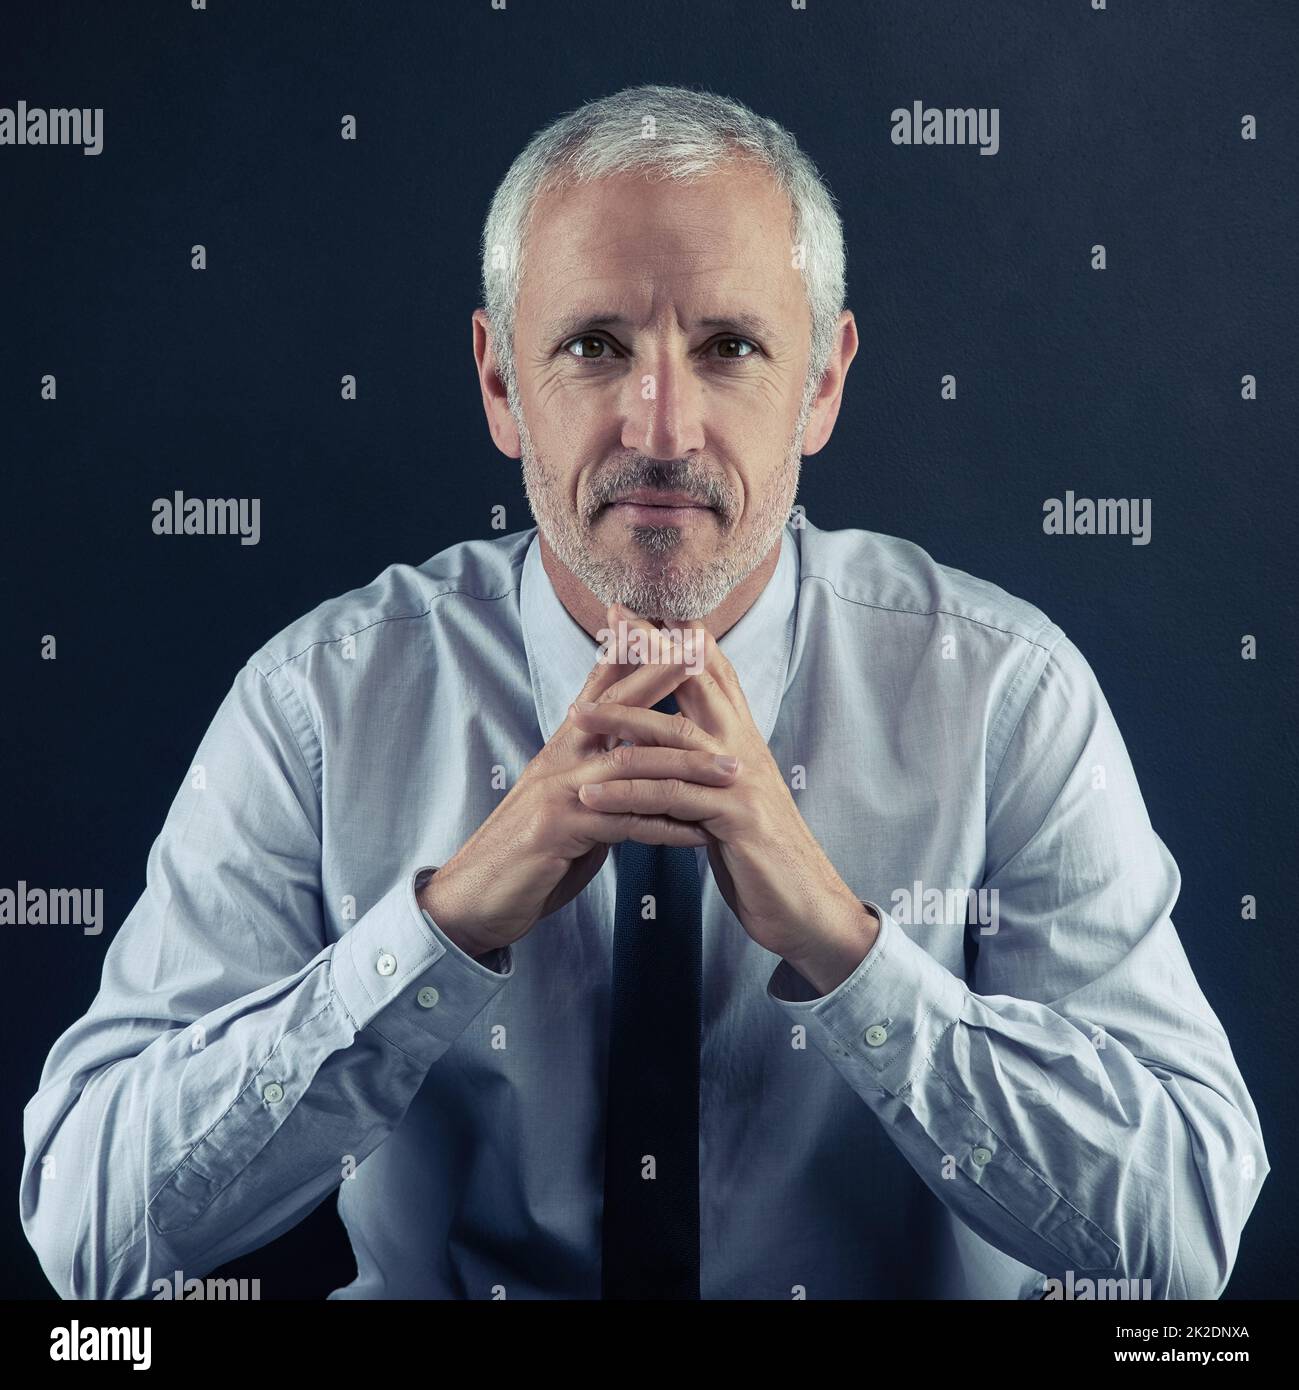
(891, 575)
(476, 571)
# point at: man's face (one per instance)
(661, 348)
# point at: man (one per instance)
(830, 957)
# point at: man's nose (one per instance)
(663, 416)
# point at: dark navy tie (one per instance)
(651, 1168)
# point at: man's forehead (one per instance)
(610, 248)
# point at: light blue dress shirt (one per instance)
(278, 1020)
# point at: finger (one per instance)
(645, 726)
(641, 688)
(709, 697)
(719, 668)
(653, 796)
(636, 760)
(646, 654)
(645, 830)
(630, 681)
(644, 686)
(605, 674)
(601, 676)
(651, 643)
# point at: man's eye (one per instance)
(588, 347)
(591, 348)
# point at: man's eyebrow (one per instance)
(569, 325)
(750, 324)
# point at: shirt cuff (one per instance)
(397, 973)
(880, 1024)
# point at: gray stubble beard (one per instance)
(671, 593)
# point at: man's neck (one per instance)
(589, 613)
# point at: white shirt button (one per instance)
(875, 1035)
(386, 964)
(272, 1092)
(427, 997)
(982, 1156)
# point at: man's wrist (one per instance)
(838, 949)
(430, 902)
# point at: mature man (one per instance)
(830, 957)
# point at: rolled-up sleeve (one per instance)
(1078, 1105)
(235, 1064)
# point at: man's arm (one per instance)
(232, 1058)
(1080, 1108)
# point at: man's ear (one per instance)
(505, 433)
(825, 405)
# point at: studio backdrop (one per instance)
(248, 274)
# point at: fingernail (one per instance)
(584, 706)
(726, 762)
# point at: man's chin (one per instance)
(639, 566)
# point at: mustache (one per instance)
(680, 475)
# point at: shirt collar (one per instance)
(561, 653)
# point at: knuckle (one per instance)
(619, 757)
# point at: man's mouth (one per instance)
(656, 507)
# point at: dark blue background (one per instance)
(325, 257)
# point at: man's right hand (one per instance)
(541, 846)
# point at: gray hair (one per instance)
(681, 134)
